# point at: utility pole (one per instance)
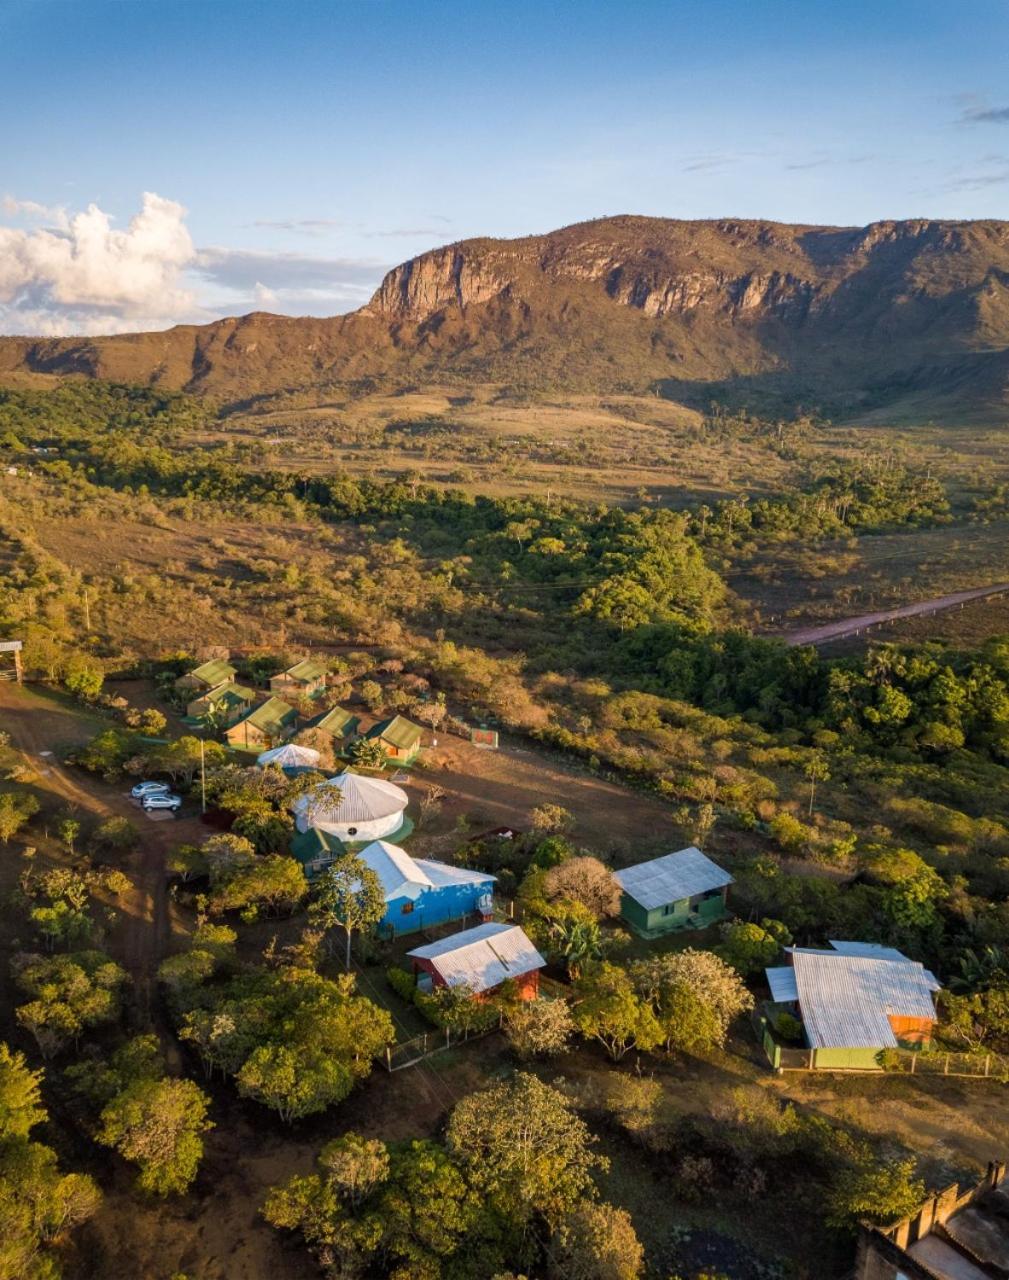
(87, 612)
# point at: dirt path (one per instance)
(38, 726)
(854, 626)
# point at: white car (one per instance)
(148, 789)
(162, 800)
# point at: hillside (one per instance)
(906, 318)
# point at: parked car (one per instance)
(162, 800)
(148, 789)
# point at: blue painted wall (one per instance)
(434, 906)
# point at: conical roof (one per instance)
(360, 800)
(290, 756)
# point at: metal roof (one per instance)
(874, 949)
(398, 873)
(271, 715)
(402, 733)
(214, 672)
(671, 877)
(307, 670)
(846, 1001)
(338, 722)
(483, 957)
(441, 874)
(782, 983)
(360, 799)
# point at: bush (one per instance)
(402, 983)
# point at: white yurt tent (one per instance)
(290, 756)
(356, 808)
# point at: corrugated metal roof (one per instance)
(671, 877)
(441, 874)
(874, 949)
(399, 731)
(307, 670)
(360, 799)
(846, 1001)
(216, 671)
(337, 721)
(483, 957)
(782, 983)
(398, 873)
(271, 715)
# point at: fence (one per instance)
(930, 1061)
(409, 1052)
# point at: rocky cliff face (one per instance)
(844, 317)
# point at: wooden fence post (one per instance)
(914, 1059)
(987, 1062)
(388, 1058)
(945, 1066)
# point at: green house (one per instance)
(208, 676)
(316, 850)
(271, 722)
(400, 738)
(683, 890)
(341, 726)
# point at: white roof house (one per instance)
(481, 958)
(671, 878)
(352, 807)
(848, 995)
(404, 877)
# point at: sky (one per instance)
(173, 161)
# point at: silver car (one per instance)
(162, 800)
(148, 789)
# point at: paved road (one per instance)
(854, 626)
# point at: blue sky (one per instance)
(295, 149)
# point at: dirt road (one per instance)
(854, 626)
(39, 725)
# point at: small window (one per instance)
(669, 909)
(406, 908)
(352, 831)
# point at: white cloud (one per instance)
(85, 276)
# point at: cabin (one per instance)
(340, 725)
(400, 738)
(420, 892)
(208, 676)
(271, 722)
(354, 808)
(306, 679)
(481, 959)
(852, 1002)
(225, 703)
(683, 890)
(316, 850)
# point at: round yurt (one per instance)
(290, 757)
(352, 808)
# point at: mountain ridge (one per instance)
(851, 318)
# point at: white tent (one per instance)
(290, 756)
(353, 808)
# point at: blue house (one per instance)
(420, 893)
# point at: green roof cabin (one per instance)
(306, 679)
(683, 890)
(211, 674)
(400, 738)
(226, 703)
(341, 726)
(271, 722)
(316, 850)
